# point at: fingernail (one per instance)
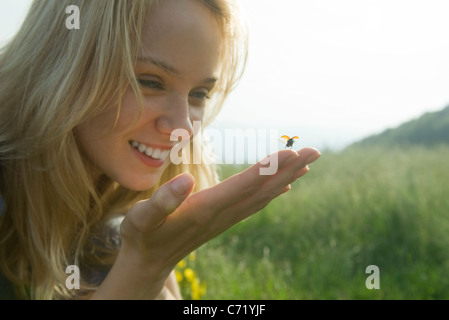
(181, 185)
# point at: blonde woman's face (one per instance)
(177, 69)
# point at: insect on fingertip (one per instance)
(290, 141)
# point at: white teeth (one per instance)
(165, 154)
(156, 154)
(142, 147)
(149, 151)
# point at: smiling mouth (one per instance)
(154, 153)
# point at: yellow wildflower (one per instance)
(178, 276)
(195, 287)
(182, 264)
(189, 274)
(198, 289)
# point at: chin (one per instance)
(138, 182)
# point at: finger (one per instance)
(280, 182)
(308, 155)
(286, 189)
(301, 172)
(149, 214)
(246, 183)
(311, 156)
(290, 173)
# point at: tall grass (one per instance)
(384, 207)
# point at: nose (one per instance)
(176, 115)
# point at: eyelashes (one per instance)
(200, 94)
(150, 84)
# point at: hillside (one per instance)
(430, 129)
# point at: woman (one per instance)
(86, 117)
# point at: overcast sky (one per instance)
(331, 71)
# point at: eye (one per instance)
(200, 94)
(152, 84)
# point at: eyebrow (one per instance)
(160, 64)
(169, 68)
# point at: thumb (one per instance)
(149, 214)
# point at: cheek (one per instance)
(99, 135)
(196, 114)
(129, 113)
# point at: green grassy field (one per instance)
(360, 207)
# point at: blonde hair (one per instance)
(52, 81)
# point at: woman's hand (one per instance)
(159, 232)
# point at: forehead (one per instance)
(184, 33)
